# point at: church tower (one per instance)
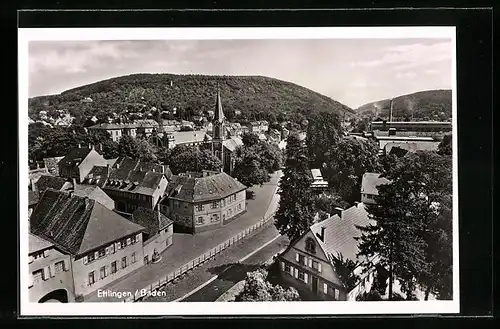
(218, 129)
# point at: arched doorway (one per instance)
(56, 296)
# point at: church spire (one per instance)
(219, 115)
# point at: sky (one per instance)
(351, 71)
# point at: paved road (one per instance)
(186, 247)
(237, 272)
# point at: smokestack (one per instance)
(390, 118)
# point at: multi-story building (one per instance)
(158, 232)
(97, 244)
(410, 128)
(50, 273)
(131, 183)
(202, 202)
(369, 187)
(79, 162)
(115, 130)
(309, 263)
(318, 183)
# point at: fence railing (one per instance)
(209, 255)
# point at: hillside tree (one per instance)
(323, 129)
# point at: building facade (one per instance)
(308, 264)
(96, 245)
(197, 204)
(79, 162)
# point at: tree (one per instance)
(296, 208)
(249, 139)
(445, 147)
(412, 229)
(128, 147)
(270, 156)
(258, 289)
(344, 268)
(146, 151)
(248, 169)
(346, 162)
(186, 128)
(109, 149)
(323, 127)
(189, 158)
(328, 202)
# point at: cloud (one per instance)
(406, 75)
(431, 71)
(405, 57)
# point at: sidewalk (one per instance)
(226, 267)
(186, 247)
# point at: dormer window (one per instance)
(310, 245)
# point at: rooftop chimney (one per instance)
(338, 211)
(321, 235)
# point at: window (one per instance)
(113, 267)
(59, 267)
(124, 262)
(287, 267)
(301, 275)
(214, 205)
(336, 292)
(91, 278)
(129, 242)
(103, 272)
(102, 253)
(310, 245)
(38, 255)
(301, 259)
(200, 221)
(325, 288)
(90, 258)
(214, 218)
(199, 207)
(316, 265)
(37, 276)
(239, 206)
(132, 239)
(133, 258)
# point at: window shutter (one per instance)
(296, 257)
(296, 273)
(30, 282)
(319, 267)
(45, 273)
(282, 266)
(291, 270)
(30, 260)
(128, 241)
(85, 260)
(96, 255)
(337, 294)
(325, 288)
(305, 261)
(66, 265)
(310, 262)
(107, 251)
(52, 270)
(305, 278)
(45, 253)
(138, 237)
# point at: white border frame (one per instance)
(205, 309)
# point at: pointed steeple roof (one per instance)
(219, 115)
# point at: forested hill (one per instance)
(423, 105)
(256, 97)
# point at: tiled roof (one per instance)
(36, 243)
(51, 165)
(340, 232)
(316, 173)
(130, 175)
(113, 126)
(183, 137)
(206, 188)
(232, 143)
(77, 224)
(370, 182)
(148, 218)
(75, 155)
(54, 182)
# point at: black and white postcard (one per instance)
(238, 171)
